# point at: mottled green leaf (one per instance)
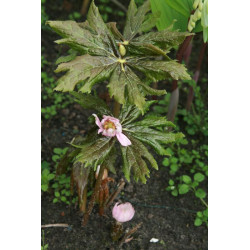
(64, 59)
(116, 33)
(73, 35)
(164, 39)
(134, 94)
(154, 121)
(130, 113)
(150, 91)
(99, 73)
(92, 102)
(94, 153)
(135, 18)
(93, 68)
(117, 85)
(150, 21)
(153, 137)
(109, 161)
(159, 70)
(103, 33)
(133, 159)
(141, 49)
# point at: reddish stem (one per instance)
(94, 195)
(179, 56)
(196, 77)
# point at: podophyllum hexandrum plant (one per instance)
(129, 62)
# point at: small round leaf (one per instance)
(197, 222)
(200, 193)
(186, 179)
(57, 194)
(183, 189)
(174, 192)
(165, 162)
(199, 177)
(171, 182)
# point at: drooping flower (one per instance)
(123, 212)
(110, 126)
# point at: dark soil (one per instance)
(164, 217)
(167, 218)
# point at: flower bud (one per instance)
(195, 4)
(122, 50)
(105, 173)
(123, 212)
(190, 28)
(200, 5)
(192, 23)
(193, 17)
(197, 15)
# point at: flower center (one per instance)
(108, 124)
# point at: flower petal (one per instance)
(98, 123)
(123, 139)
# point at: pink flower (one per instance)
(123, 212)
(110, 126)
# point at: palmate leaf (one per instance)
(150, 21)
(95, 152)
(135, 18)
(90, 69)
(153, 137)
(97, 149)
(163, 39)
(100, 59)
(140, 132)
(159, 70)
(133, 158)
(92, 102)
(129, 113)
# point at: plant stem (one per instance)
(130, 232)
(204, 202)
(116, 231)
(174, 99)
(84, 8)
(94, 195)
(180, 55)
(196, 76)
(55, 225)
(117, 107)
(119, 5)
(84, 200)
(115, 193)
